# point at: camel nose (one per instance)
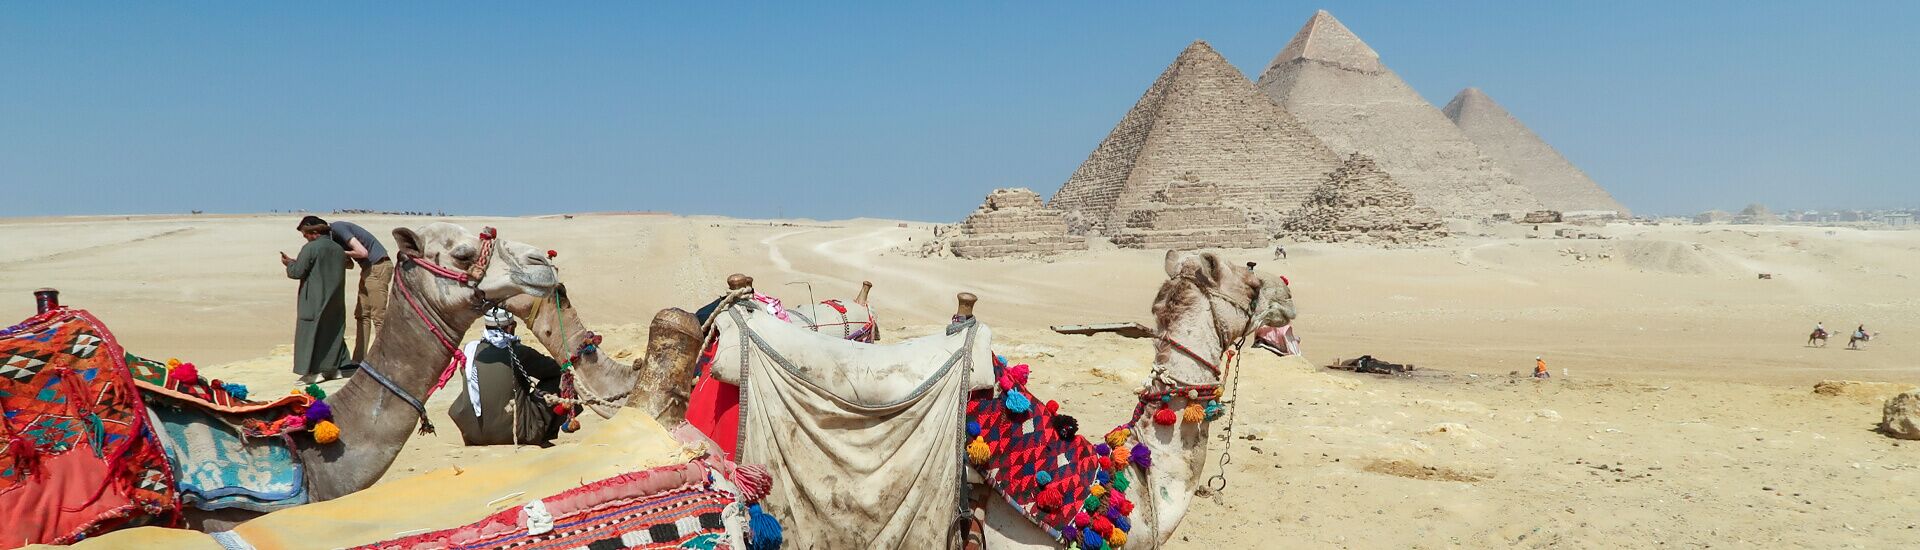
(538, 258)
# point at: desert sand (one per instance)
(1681, 411)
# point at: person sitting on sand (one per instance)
(497, 406)
(1540, 368)
(319, 341)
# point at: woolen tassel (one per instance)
(978, 452)
(1092, 504)
(1101, 524)
(973, 429)
(1048, 499)
(1043, 477)
(1165, 417)
(325, 432)
(1066, 426)
(1053, 407)
(1101, 477)
(1018, 402)
(1081, 519)
(25, 455)
(1125, 507)
(1098, 490)
(763, 531)
(1119, 458)
(1117, 538)
(238, 391)
(317, 412)
(1019, 374)
(1118, 437)
(1102, 449)
(1142, 457)
(753, 482)
(186, 373)
(1120, 482)
(1120, 521)
(1091, 538)
(315, 391)
(1194, 413)
(1215, 410)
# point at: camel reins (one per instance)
(469, 278)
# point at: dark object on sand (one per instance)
(1128, 330)
(1368, 365)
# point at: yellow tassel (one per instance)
(1117, 539)
(978, 450)
(173, 363)
(1118, 438)
(1099, 490)
(1195, 413)
(325, 432)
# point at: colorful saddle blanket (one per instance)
(226, 451)
(1033, 456)
(667, 507)
(79, 457)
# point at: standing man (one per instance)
(319, 345)
(376, 276)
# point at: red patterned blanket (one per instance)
(1034, 457)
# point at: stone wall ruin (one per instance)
(1014, 222)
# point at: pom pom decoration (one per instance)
(317, 412)
(1093, 504)
(1118, 437)
(1043, 477)
(1092, 539)
(1165, 417)
(1053, 407)
(763, 531)
(1101, 524)
(551, 254)
(1098, 490)
(1120, 521)
(325, 432)
(1049, 499)
(1215, 410)
(973, 429)
(572, 425)
(1117, 538)
(1194, 413)
(1120, 482)
(1100, 477)
(186, 373)
(1066, 426)
(1082, 519)
(1141, 457)
(293, 423)
(978, 452)
(1019, 374)
(560, 409)
(1124, 506)
(173, 363)
(753, 482)
(315, 391)
(1102, 449)
(1017, 402)
(238, 391)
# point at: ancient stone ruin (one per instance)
(1014, 222)
(1756, 214)
(1188, 214)
(1201, 118)
(1558, 184)
(1338, 88)
(1712, 216)
(1359, 202)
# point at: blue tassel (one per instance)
(764, 531)
(973, 429)
(1100, 477)
(1018, 403)
(1043, 477)
(1091, 539)
(238, 391)
(1215, 410)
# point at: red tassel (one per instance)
(1125, 506)
(25, 456)
(1102, 525)
(1048, 499)
(186, 374)
(1165, 417)
(1053, 407)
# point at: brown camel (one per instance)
(374, 422)
(554, 321)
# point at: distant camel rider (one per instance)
(1861, 332)
(496, 406)
(1820, 328)
(376, 276)
(1540, 367)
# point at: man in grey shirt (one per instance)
(376, 276)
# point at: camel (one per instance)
(553, 320)
(1205, 308)
(1817, 339)
(410, 351)
(1857, 340)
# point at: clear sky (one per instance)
(883, 110)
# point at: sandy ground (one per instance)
(1681, 411)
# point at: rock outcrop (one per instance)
(1200, 118)
(1338, 88)
(1554, 181)
(1014, 222)
(1187, 214)
(1901, 416)
(1359, 202)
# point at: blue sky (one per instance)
(883, 110)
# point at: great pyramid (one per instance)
(1202, 120)
(1338, 88)
(1537, 166)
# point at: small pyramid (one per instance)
(1013, 222)
(1201, 120)
(1338, 88)
(1359, 202)
(1557, 183)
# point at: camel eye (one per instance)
(464, 253)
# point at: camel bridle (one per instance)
(440, 329)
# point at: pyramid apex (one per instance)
(1325, 39)
(1470, 98)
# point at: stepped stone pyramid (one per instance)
(1014, 222)
(1202, 119)
(1554, 181)
(1186, 215)
(1359, 202)
(1336, 85)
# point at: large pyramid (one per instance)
(1201, 121)
(1554, 181)
(1338, 88)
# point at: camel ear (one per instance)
(408, 242)
(1172, 264)
(1212, 268)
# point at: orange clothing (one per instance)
(1539, 366)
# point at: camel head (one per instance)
(512, 269)
(1208, 304)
